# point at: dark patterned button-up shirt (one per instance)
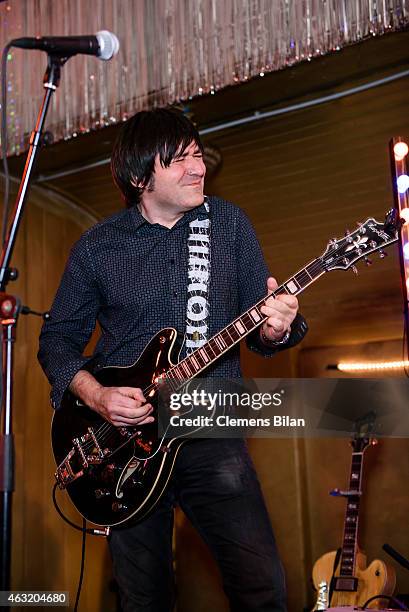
(132, 277)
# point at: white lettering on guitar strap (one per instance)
(197, 311)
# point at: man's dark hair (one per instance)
(164, 131)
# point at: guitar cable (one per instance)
(85, 531)
(389, 598)
(95, 532)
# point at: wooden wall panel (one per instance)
(302, 178)
(46, 552)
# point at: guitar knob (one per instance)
(382, 254)
(100, 493)
(368, 261)
(117, 507)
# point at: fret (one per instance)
(228, 335)
(189, 364)
(184, 369)
(303, 278)
(239, 328)
(213, 348)
(247, 322)
(178, 375)
(219, 343)
(195, 363)
(204, 355)
(280, 291)
(292, 286)
(209, 351)
(314, 269)
(255, 315)
(222, 341)
(199, 358)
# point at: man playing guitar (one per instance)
(172, 257)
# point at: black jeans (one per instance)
(216, 486)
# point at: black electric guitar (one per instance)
(113, 474)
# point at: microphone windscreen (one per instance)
(108, 44)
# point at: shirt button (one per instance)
(175, 293)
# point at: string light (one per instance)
(371, 366)
(195, 57)
(400, 150)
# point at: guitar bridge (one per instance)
(66, 473)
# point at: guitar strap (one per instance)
(198, 308)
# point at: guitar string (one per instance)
(317, 266)
(109, 431)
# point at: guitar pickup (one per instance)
(346, 583)
(97, 455)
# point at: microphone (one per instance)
(103, 44)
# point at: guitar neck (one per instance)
(350, 540)
(194, 364)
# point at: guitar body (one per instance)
(131, 479)
(378, 578)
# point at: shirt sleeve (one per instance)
(72, 320)
(252, 282)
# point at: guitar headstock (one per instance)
(369, 237)
(364, 427)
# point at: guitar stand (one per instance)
(10, 308)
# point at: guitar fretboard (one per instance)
(225, 339)
(350, 540)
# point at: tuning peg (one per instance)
(354, 270)
(382, 254)
(368, 261)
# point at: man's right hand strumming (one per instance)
(121, 406)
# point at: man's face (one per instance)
(179, 187)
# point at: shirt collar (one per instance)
(196, 213)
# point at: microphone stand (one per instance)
(10, 308)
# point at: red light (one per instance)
(400, 150)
